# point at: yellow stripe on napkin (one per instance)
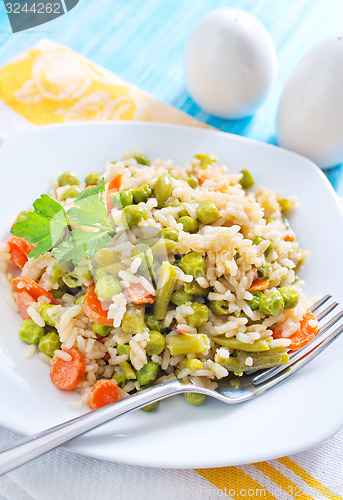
(52, 84)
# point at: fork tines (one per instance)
(304, 355)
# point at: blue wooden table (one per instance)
(143, 42)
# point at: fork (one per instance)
(249, 387)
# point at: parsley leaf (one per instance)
(90, 209)
(81, 243)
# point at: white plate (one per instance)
(300, 413)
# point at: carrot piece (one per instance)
(24, 300)
(94, 309)
(22, 283)
(139, 295)
(303, 335)
(289, 236)
(259, 285)
(103, 393)
(113, 187)
(19, 250)
(201, 179)
(66, 375)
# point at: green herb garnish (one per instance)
(49, 225)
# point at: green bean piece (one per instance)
(49, 344)
(200, 315)
(162, 189)
(290, 296)
(285, 205)
(59, 270)
(59, 292)
(170, 233)
(80, 300)
(194, 398)
(256, 346)
(156, 343)
(272, 304)
(68, 179)
(208, 213)
(165, 287)
(127, 370)
(83, 271)
(93, 179)
(265, 271)
(194, 288)
(141, 193)
(182, 212)
(188, 344)
(152, 323)
(247, 180)
(107, 287)
(133, 319)
(192, 182)
(270, 247)
(194, 264)
(72, 280)
(122, 199)
(205, 160)
(181, 297)
(255, 301)
(261, 360)
(151, 406)
(22, 216)
(145, 253)
(219, 307)
(142, 160)
(124, 349)
(189, 224)
(147, 373)
(43, 311)
(30, 332)
(133, 214)
(70, 192)
(194, 364)
(101, 330)
(118, 376)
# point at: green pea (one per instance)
(170, 233)
(285, 205)
(194, 398)
(265, 271)
(195, 289)
(68, 179)
(205, 160)
(156, 343)
(83, 272)
(142, 160)
(152, 323)
(119, 376)
(270, 247)
(70, 192)
(181, 297)
(148, 373)
(133, 320)
(200, 315)
(72, 280)
(271, 304)
(30, 332)
(133, 214)
(22, 216)
(101, 330)
(219, 307)
(145, 253)
(194, 264)
(80, 300)
(151, 406)
(190, 225)
(93, 179)
(124, 349)
(107, 287)
(43, 310)
(49, 344)
(208, 213)
(60, 270)
(192, 182)
(122, 199)
(255, 301)
(290, 296)
(162, 189)
(247, 180)
(180, 213)
(141, 193)
(105, 257)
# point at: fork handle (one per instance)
(33, 446)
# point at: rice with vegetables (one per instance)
(150, 272)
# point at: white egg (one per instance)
(310, 115)
(230, 63)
